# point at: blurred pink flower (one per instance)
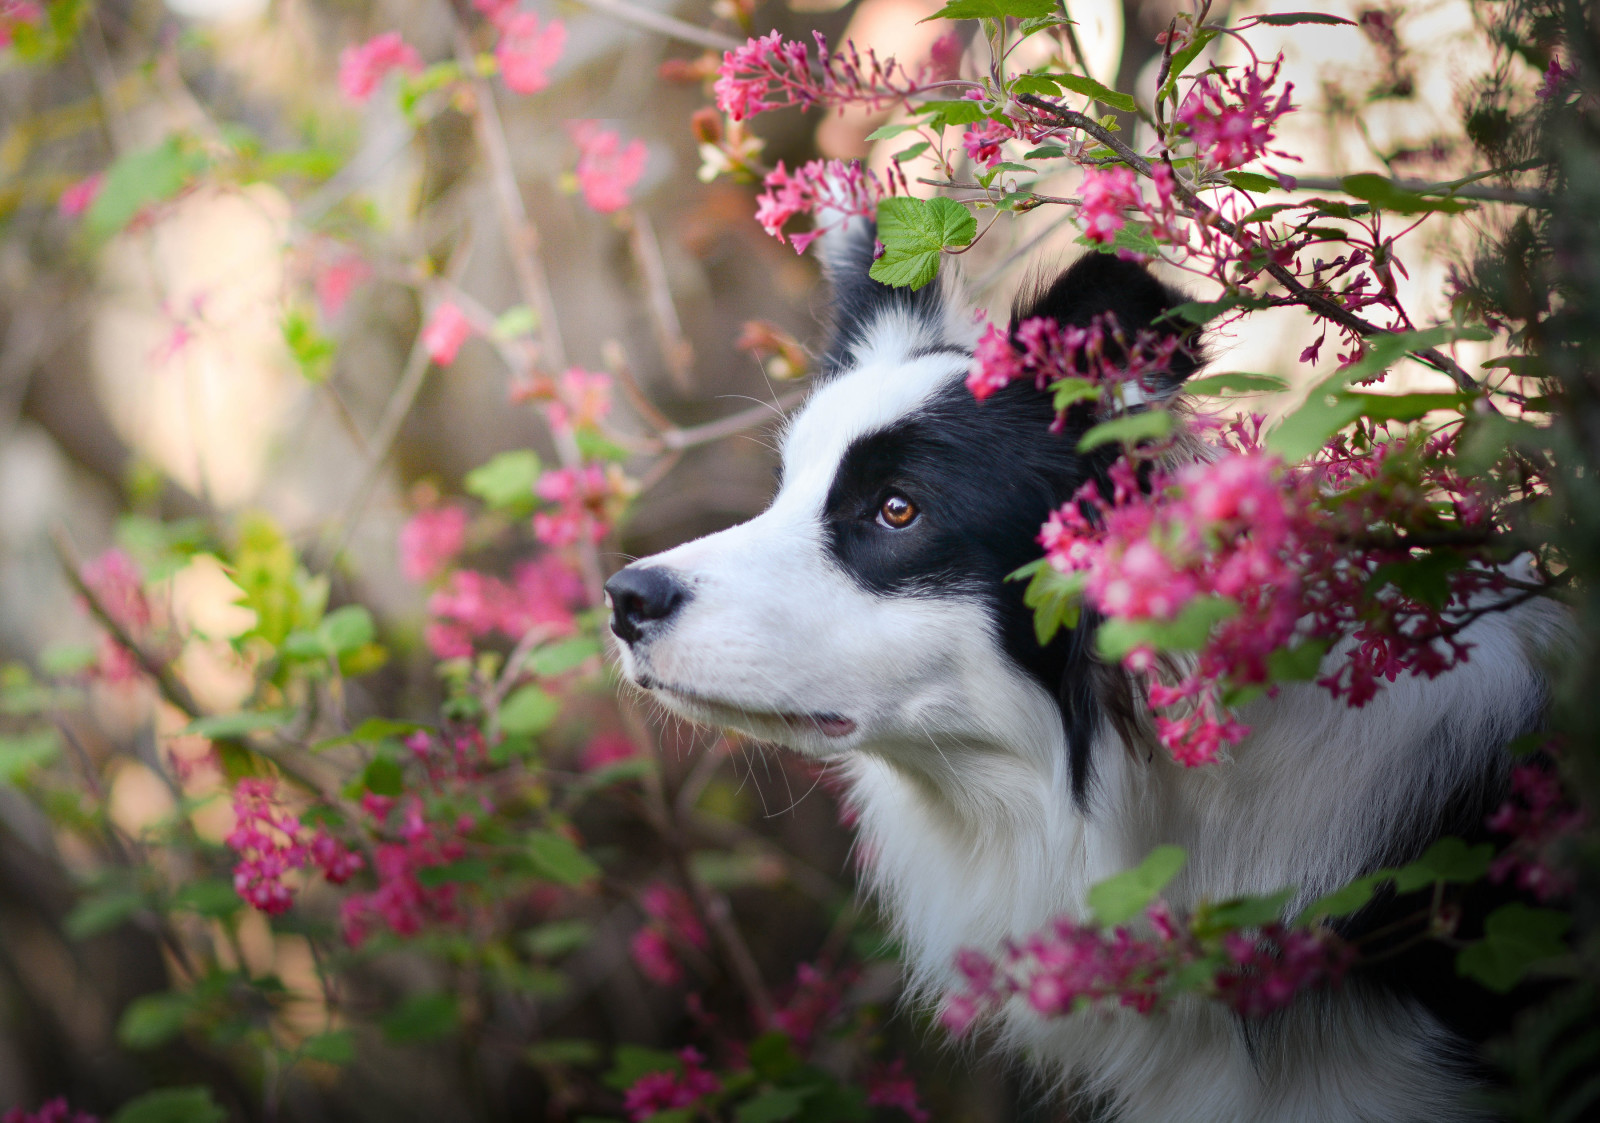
(336, 282)
(361, 68)
(431, 540)
(56, 1110)
(1105, 194)
(652, 954)
(605, 750)
(892, 1086)
(583, 398)
(447, 329)
(656, 1092)
(526, 52)
(12, 13)
(606, 169)
(81, 195)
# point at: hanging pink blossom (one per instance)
(891, 1086)
(336, 281)
(587, 499)
(78, 198)
(1541, 819)
(831, 190)
(582, 399)
(605, 750)
(361, 68)
(473, 606)
(1230, 131)
(652, 953)
(1106, 193)
(447, 329)
(772, 73)
(51, 1111)
(665, 1091)
(526, 52)
(983, 141)
(607, 169)
(430, 541)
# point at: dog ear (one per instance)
(1098, 284)
(871, 320)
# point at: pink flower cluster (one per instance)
(14, 13)
(118, 586)
(1541, 820)
(813, 1001)
(587, 500)
(270, 841)
(430, 541)
(983, 141)
(414, 843)
(1233, 131)
(472, 606)
(446, 330)
(51, 1111)
(890, 1086)
(830, 190)
(772, 73)
(1105, 195)
(607, 169)
(574, 399)
(363, 67)
(665, 1091)
(1044, 351)
(1070, 964)
(672, 919)
(527, 52)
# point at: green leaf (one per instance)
(1131, 237)
(518, 320)
(507, 480)
(1202, 311)
(559, 859)
(172, 1105)
(1056, 599)
(912, 152)
(23, 753)
(138, 179)
(887, 132)
(153, 1020)
(1516, 938)
(1253, 181)
(1308, 428)
(1119, 899)
(383, 777)
(1181, 60)
(1236, 382)
(1045, 152)
(1105, 95)
(1299, 663)
(1130, 429)
(422, 1017)
(1425, 579)
(1261, 214)
(772, 1106)
(529, 711)
(914, 233)
(568, 654)
(208, 897)
(1047, 85)
(557, 938)
(1449, 860)
(571, 1051)
(994, 9)
(1385, 194)
(463, 871)
(102, 912)
(345, 629)
(963, 111)
(772, 1056)
(1012, 166)
(229, 727)
(1344, 900)
(1185, 632)
(312, 351)
(1068, 392)
(1289, 19)
(630, 1062)
(1243, 912)
(336, 1047)
(370, 732)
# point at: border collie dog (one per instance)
(865, 619)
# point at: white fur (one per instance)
(958, 769)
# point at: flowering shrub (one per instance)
(379, 827)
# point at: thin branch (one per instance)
(675, 349)
(1317, 302)
(664, 24)
(1423, 187)
(677, 439)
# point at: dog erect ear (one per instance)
(872, 321)
(1101, 283)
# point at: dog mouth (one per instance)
(830, 725)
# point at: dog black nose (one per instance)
(642, 596)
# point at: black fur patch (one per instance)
(984, 477)
(859, 301)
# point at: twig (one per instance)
(676, 439)
(1317, 302)
(675, 349)
(1423, 187)
(664, 24)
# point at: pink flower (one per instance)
(586, 498)
(526, 53)
(582, 399)
(606, 169)
(1231, 133)
(266, 838)
(944, 57)
(338, 280)
(81, 195)
(995, 363)
(605, 750)
(496, 11)
(673, 910)
(891, 1086)
(430, 540)
(1555, 77)
(362, 68)
(663, 1091)
(51, 1111)
(473, 605)
(831, 190)
(1105, 194)
(447, 329)
(653, 955)
(983, 141)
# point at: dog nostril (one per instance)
(642, 596)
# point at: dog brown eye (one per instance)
(897, 512)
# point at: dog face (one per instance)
(867, 609)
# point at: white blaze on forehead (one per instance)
(870, 398)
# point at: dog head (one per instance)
(867, 609)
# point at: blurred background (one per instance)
(220, 342)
